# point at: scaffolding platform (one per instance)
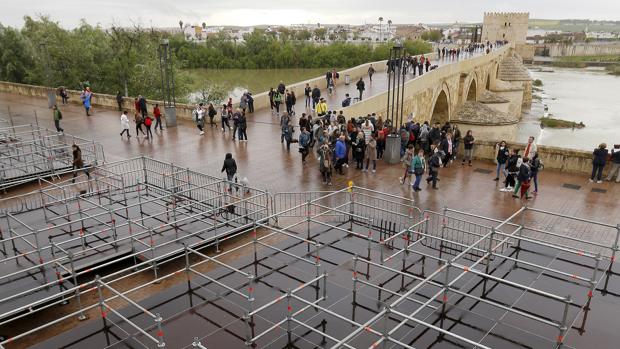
(358, 268)
(137, 212)
(28, 152)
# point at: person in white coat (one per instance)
(125, 124)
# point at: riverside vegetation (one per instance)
(126, 59)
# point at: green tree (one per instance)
(432, 35)
(15, 56)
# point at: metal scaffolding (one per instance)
(357, 268)
(28, 152)
(140, 211)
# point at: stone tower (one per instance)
(511, 26)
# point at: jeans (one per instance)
(597, 171)
(315, 101)
(615, 170)
(139, 128)
(535, 180)
(500, 167)
(416, 183)
(57, 124)
(308, 101)
(125, 130)
(242, 134)
(158, 123)
(469, 153)
(277, 105)
(149, 134)
(432, 177)
(225, 124)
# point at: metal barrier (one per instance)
(420, 270)
(28, 152)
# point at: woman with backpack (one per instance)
(418, 166)
(212, 113)
(148, 122)
(138, 120)
(277, 100)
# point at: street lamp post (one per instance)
(395, 102)
(51, 95)
(167, 83)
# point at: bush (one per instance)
(537, 83)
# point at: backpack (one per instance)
(148, 121)
(304, 139)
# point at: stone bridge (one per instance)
(485, 92)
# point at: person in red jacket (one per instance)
(157, 115)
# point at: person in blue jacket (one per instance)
(341, 153)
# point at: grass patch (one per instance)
(537, 83)
(559, 123)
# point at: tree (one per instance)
(320, 33)
(15, 57)
(432, 35)
(211, 93)
(303, 35)
(204, 25)
(181, 24)
(380, 28)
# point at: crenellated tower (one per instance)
(511, 26)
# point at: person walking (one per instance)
(524, 177)
(64, 96)
(361, 86)
(250, 102)
(615, 164)
(78, 162)
(371, 72)
(119, 100)
(243, 102)
(199, 118)
(285, 120)
(86, 97)
(211, 112)
(468, 145)
(287, 135)
(277, 100)
(434, 164)
(371, 152)
(148, 122)
(157, 115)
(447, 147)
(289, 103)
(599, 159)
(138, 120)
(304, 143)
(321, 108)
(57, 118)
(418, 166)
(308, 93)
(340, 153)
(325, 163)
(316, 96)
(230, 166)
(409, 153)
(501, 156)
(271, 96)
(125, 124)
(530, 149)
(225, 117)
(535, 166)
(143, 109)
(242, 127)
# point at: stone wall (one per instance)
(593, 49)
(184, 111)
(561, 159)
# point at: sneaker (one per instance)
(515, 196)
(496, 179)
(599, 181)
(591, 180)
(400, 179)
(202, 132)
(509, 188)
(374, 171)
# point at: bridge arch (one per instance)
(472, 93)
(441, 107)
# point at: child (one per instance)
(407, 162)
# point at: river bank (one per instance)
(575, 95)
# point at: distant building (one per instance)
(510, 26)
(411, 32)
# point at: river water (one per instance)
(237, 81)
(588, 95)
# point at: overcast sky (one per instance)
(167, 13)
